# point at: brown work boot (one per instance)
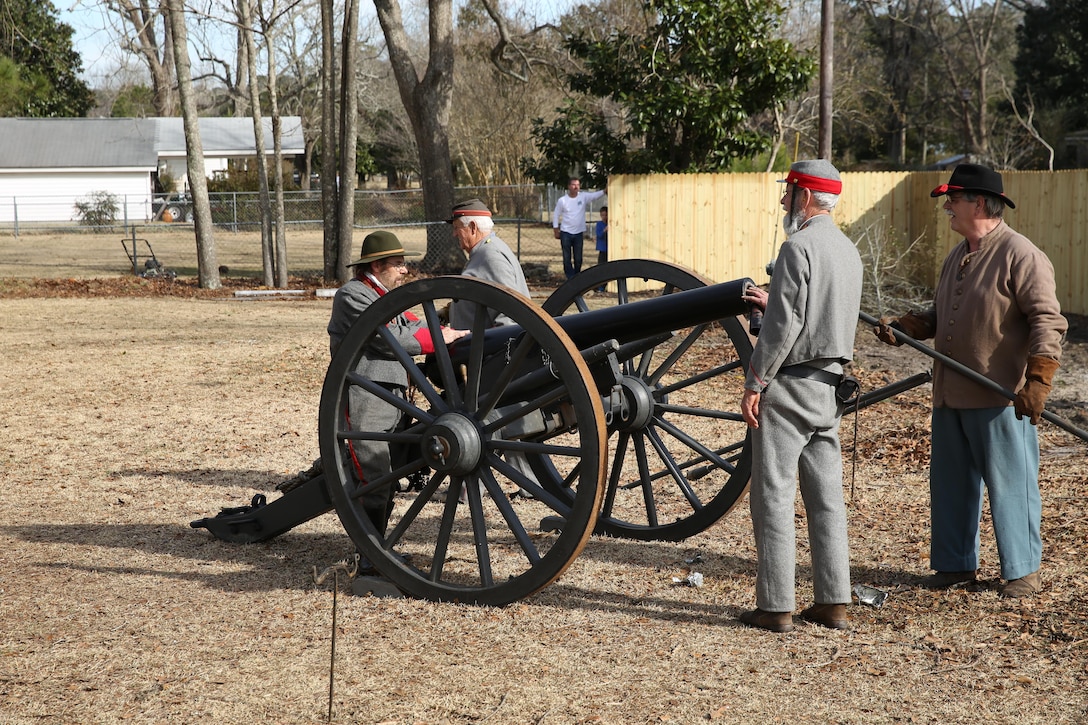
(832, 616)
(773, 621)
(1025, 586)
(946, 579)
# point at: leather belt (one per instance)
(805, 371)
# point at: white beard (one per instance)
(792, 222)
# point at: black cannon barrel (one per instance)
(635, 320)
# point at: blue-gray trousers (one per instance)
(798, 441)
(987, 447)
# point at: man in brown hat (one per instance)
(380, 268)
(489, 259)
(492, 260)
(996, 311)
(791, 404)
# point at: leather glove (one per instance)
(884, 333)
(912, 324)
(1031, 398)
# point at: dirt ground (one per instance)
(132, 408)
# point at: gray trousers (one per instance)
(798, 441)
(370, 459)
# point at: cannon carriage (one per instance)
(524, 440)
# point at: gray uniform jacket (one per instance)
(493, 261)
(812, 305)
(377, 362)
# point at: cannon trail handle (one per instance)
(973, 375)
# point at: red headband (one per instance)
(814, 183)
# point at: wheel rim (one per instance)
(482, 551)
(676, 465)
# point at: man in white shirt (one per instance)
(569, 224)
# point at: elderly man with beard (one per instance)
(489, 259)
(790, 403)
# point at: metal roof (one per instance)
(74, 143)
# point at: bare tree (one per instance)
(329, 204)
(488, 140)
(142, 20)
(968, 45)
(428, 99)
(349, 130)
(250, 53)
(1028, 121)
(268, 25)
(207, 268)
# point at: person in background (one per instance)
(569, 224)
(600, 233)
(792, 405)
(996, 311)
(380, 268)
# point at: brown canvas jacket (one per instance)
(993, 308)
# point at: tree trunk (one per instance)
(141, 18)
(827, 75)
(277, 147)
(329, 191)
(349, 123)
(207, 267)
(428, 102)
(268, 261)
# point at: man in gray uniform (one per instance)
(379, 269)
(790, 403)
(492, 260)
(489, 259)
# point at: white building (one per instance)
(48, 164)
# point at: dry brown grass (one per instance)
(126, 418)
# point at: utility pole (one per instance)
(827, 57)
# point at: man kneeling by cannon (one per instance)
(379, 269)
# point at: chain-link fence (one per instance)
(237, 211)
(522, 217)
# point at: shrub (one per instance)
(99, 209)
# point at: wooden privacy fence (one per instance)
(728, 226)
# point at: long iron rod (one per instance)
(973, 375)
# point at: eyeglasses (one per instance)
(952, 199)
(398, 265)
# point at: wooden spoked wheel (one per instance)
(471, 411)
(679, 451)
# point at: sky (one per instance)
(101, 59)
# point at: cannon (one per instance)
(626, 418)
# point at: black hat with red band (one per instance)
(977, 179)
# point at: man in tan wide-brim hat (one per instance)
(380, 268)
(382, 245)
